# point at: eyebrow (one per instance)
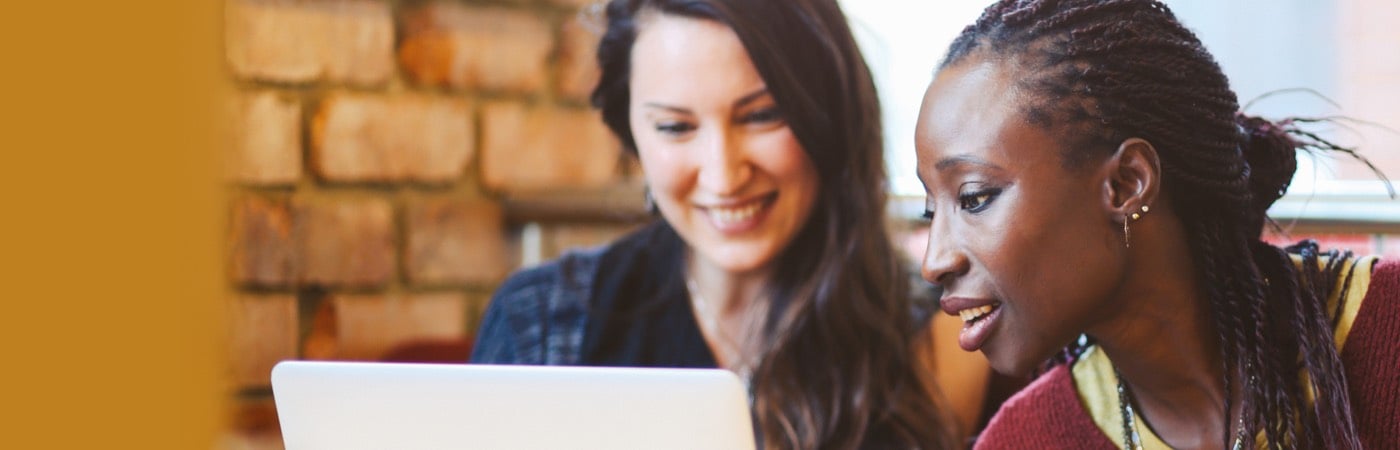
(751, 97)
(746, 99)
(962, 160)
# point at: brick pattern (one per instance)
(455, 242)
(539, 148)
(470, 47)
(366, 327)
(337, 41)
(344, 242)
(577, 71)
(263, 331)
(373, 144)
(266, 139)
(261, 236)
(359, 138)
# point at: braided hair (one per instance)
(1097, 72)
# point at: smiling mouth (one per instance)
(738, 214)
(977, 325)
(974, 314)
(737, 217)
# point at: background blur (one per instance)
(391, 162)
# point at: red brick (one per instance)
(361, 138)
(262, 242)
(577, 66)
(263, 332)
(368, 326)
(347, 41)
(455, 241)
(480, 48)
(253, 425)
(266, 139)
(542, 148)
(345, 242)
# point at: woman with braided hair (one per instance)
(1094, 194)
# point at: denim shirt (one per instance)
(538, 316)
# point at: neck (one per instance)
(729, 309)
(1164, 344)
(728, 293)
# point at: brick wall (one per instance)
(392, 162)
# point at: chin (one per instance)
(740, 259)
(1012, 363)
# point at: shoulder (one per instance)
(1046, 414)
(1371, 355)
(538, 314)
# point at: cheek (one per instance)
(1060, 235)
(780, 155)
(664, 166)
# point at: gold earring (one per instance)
(1126, 241)
(1135, 216)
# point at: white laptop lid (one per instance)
(347, 406)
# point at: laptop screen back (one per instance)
(334, 405)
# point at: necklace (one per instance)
(710, 323)
(1132, 440)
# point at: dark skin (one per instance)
(1012, 224)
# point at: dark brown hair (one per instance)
(1097, 72)
(835, 366)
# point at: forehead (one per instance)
(686, 59)
(974, 109)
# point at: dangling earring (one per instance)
(649, 202)
(1126, 240)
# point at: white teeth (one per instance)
(974, 313)
(736, 215)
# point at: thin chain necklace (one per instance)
(1132, 440)
(711, 324)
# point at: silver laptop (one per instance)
(347, 406)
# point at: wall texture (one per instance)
(392, 162)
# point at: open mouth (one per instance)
(977, 325)
(971, 315)
(733, 218)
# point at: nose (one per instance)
(944, 259)
(724, 164)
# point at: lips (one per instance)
(978, 316)
(739, 216)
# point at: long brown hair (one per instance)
(835, 366)
(1101, 71)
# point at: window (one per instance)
(1344, 50)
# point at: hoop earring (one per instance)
(1127, 241)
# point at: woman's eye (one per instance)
(674, 128)
(976, 202)
(765, 115)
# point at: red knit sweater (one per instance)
(1048, 413)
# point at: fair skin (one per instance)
(723, 167)
(727, 173)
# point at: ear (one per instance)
(1134, 178)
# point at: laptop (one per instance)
(347, 406)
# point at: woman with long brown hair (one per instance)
(758, 129)
(1095, 192)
